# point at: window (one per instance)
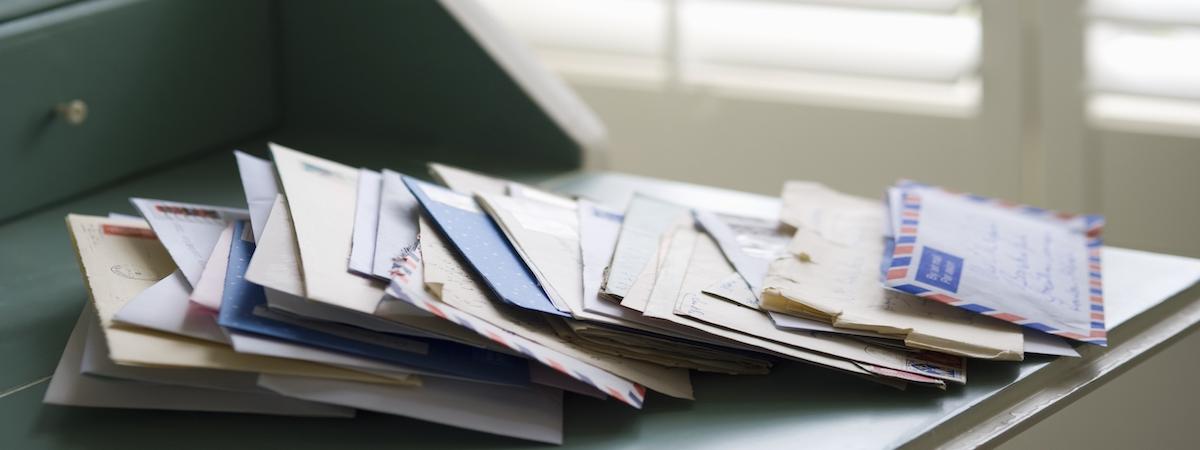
(916, 55)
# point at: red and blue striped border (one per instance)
(634, 394)
(906, 240)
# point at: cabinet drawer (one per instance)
(160, 79)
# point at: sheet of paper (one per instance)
(546, 236)
(243, 309)
(1036, 342)
(120, 259)
(260, 187)
(188, 231)
(207, 292)
(320, 195)
(525, 413)
(818, 208)
(646, 219)
(481, 243)
(366, 222)
(467, 182)
(619, 377)
(164, 306)
(70, 387)
(733, 288)
(1025, 265)
(679, 281)
(397, 237)
(749, 243)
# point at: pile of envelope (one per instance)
(476, 302)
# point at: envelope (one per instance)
(70, 387)
(320, 195)
(646, 219)
(1036, 342)
(397, 236)
(366, 222)
(95, 362)
(525, 413)
(164, 306)
(1033, 267)
(481, 243)
(682, 273)
(620, 378)
(832, 272)
(275, 266)
(546, 237)
(188, 231)
(118, 260)
(467, 182)
(750, 244)
(207, 292)
(242, 310)
(260, 187)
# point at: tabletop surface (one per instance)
(41, 294)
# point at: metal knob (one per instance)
(73, 112)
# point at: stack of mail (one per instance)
(478, 301)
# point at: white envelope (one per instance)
(71, 388)
(749, 243)
(528, 413)
(211, 287)
(467, 182)
(646, 220)
(188, 231)
(397, 214)
(320, 194)
(260, 186)
(165, 307)
(366, 222)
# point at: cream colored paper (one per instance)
(321, 196)
(669, 287)
(707, 259)
(119, 259)
(446, 278)
(831, 273)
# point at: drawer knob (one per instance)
(74, 111)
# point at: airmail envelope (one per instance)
(1022, 264)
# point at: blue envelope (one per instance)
(242, 297)
(483, 245)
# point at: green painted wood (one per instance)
(12, 9)
(161, 79)
(403, 77)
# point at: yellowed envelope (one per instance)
(668, 287)
(447, 278)
(118, 260)
(831, 273)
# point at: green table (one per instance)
(796, 405)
